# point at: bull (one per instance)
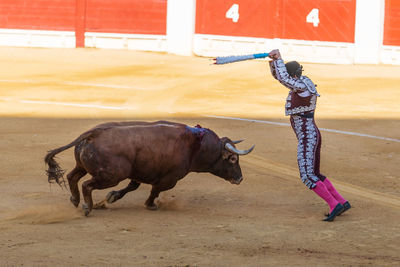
(157, 153)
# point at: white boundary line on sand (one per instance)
(77, 84)
(322, 129)
(209, 116)
(66, 104)
(104, 85)
(73, 104)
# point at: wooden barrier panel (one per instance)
(80, 16)
(249, 18)
(391, 33)
(58, 15)
(126, 16)
(318, 20)
(315, 20)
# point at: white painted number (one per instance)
(233, 13)
(313, 17)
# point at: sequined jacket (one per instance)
(302, 96)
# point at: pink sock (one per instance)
(323, 192)
(333, 191)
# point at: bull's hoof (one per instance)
(112, 196)
(152, 207)
(74, 201)
(85, 209)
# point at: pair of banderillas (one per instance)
(231, 59)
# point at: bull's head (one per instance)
(227, 166)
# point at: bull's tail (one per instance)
(54, 172)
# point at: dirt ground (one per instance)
(49, 96)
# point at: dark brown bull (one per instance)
(158, 153)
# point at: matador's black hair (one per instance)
(294, 68)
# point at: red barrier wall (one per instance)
(336, 20)
(117, 16)
(286, 19)
(254, 18)
(38, 14)
(317, 20)
(127, 16)
(391, 33)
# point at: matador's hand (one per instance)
(274, 54)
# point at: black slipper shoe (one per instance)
(337, 210)
(346, 206)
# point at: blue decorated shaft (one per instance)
(230, 59)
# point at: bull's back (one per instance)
(108, 125)
(150, 150)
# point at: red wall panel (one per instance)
(279, 19)
(38, 14)
(127, 16)
(391, 33)
(255, 18)
(336, 20)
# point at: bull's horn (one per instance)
(238, 141)
(232, 149)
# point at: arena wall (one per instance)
(324, 31)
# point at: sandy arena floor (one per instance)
(49, 96)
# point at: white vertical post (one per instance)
(181, 16)
(369, 31)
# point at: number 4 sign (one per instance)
(313, 17)
(233, 13)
